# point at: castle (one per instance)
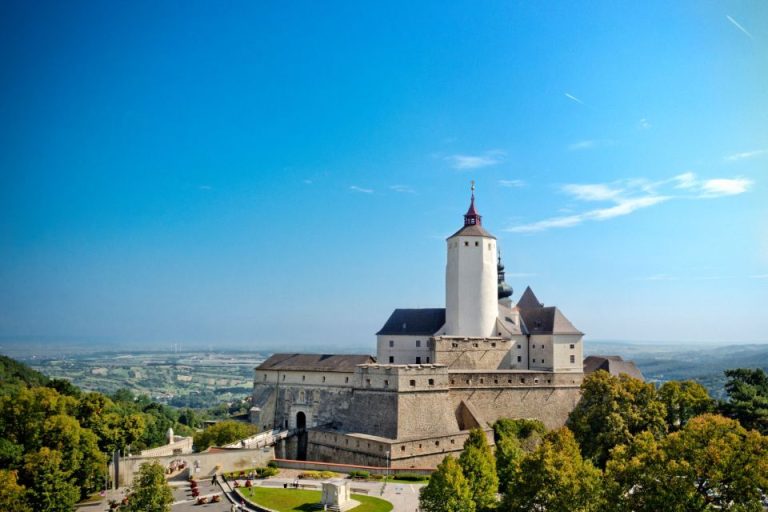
(437, 373)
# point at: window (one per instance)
(573, 359)
(519, 359)
(535, 381)
(437, 443)
(489, 246)
(303, 378)
(412, 383)
(482, 381)
(418, 343)
(283, 377)
(402, 448)
(367, 382)
(346, 379)
(265, 376)
(534, 360)
(453, 441)
(477, 244)
(509, 381)
(427, 358)
(519, 347)
(466, 244)
(493, 344)
(418, 360)
(474, 345)
(391, 359)
(386, 383)
(431, 382)
(573, 346)
(323, 378)
(495, 381)
(391, 343)
(454, 345)
(522, 380)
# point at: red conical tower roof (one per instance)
(472, 218)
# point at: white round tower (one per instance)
(471, 279)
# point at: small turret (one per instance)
(505, 290)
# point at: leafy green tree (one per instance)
(713, 463)
(150, 491)
(50, 483)
(555, 478)
(479, 467)
(509, 456)
(447, 490)
(222, 433)
(13, 496)
(747, 391)
(684, 400)
(16, 374)
(522, 428)
(611, 411)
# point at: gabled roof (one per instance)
(529, 300)
(414, 321)
(549, 320)
(473, 230)
(614, 365)
(315, 362)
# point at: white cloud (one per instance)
(573, 98)
(737, 25)
(746, 154)
(512, 183)
(464, 162)
(589, 144)
(725, 187)
(355, 188)
(643, 124)
(403, 189)
(596, 192)
(629, 196)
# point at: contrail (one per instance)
(574, 98)
(739, 26)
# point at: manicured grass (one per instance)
(300, 500)
(425, 480)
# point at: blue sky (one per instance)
(268, 174)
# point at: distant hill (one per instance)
(703, 363)
(14, 372)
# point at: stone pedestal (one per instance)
(336, 495)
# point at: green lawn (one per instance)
(299, 500)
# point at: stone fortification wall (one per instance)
(178, 447)
(423, 451)
(201, 465)
(548, 397)
(472, 353)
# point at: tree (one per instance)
(51, 487)
(683, 401)
(509, 456)
(12, 495)
(447, 490)
(222, 433)
(479, 467)
(713, 463)
(611, 411)
(747, 391)
(555, 478)
(150, 492)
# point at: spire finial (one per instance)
(473, 187)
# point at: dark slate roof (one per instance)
(414, 321)
(547, 320)
(473, 230)
(315, 362)
(528, 300)
(614, 365)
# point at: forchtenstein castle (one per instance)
(437, 374)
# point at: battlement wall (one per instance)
(402, 378)
(458, 352)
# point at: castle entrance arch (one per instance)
(301, 425)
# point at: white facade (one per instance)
(396, 349)
(471, 294)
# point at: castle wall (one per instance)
(545, 396)
(472, 353)
(567, 353)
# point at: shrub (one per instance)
(410, 477)
(272, 464)
(318, 475)
(360, 474)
